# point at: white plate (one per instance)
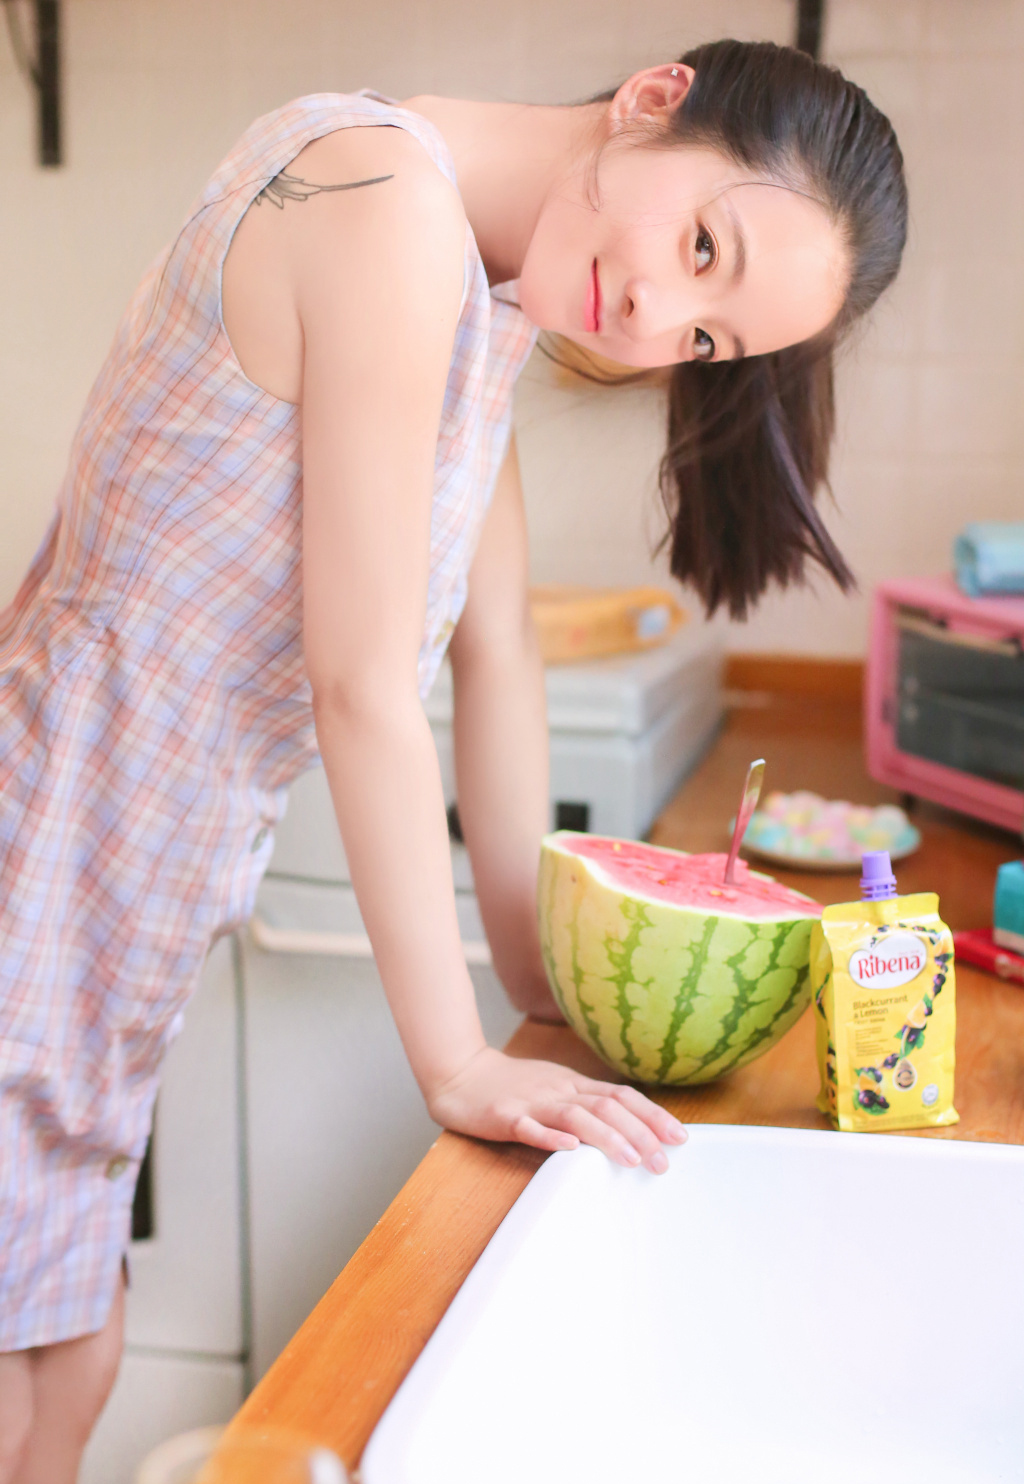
(825, 863)
(784, 1306)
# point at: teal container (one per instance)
(1008, 910)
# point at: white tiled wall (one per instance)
(157, 90)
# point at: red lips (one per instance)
(593, 308)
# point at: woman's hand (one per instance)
(495, 1096)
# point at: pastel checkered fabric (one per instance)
(154, 705)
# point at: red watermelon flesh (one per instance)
(689, 880)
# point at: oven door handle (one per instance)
(334, 945)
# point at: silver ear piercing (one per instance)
(675, 71)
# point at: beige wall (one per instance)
(157, 90)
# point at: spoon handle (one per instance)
(751, 794)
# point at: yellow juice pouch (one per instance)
(884, 993)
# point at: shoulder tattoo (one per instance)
(285, 187)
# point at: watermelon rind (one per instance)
(662, 993)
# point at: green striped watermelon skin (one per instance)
(665, 994)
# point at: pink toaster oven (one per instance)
(944, 697)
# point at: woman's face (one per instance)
(678, 254)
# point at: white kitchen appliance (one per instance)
(625, 731)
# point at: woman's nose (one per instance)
(650, 312)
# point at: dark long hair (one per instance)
(748, 441)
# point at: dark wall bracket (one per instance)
(41, 67)
(810, 21)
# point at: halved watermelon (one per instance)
(670, 975)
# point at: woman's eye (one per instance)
(703, 346)
(704, 250)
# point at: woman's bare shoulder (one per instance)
(356, 156)
(357, 205)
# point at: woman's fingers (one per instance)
(527, 1130)
(668, 1129)
(633, 1129)
(574, 1118)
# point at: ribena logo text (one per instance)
(871, 966)
(892, 962)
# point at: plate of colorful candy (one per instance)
(804, 830)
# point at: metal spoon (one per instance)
(748, 803)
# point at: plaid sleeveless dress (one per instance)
(154, 706)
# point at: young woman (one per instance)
(291, 491)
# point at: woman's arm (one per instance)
(377, 277)
(501, 746)
(378, 281)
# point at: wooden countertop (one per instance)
(335, 1378)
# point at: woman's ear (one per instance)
(650, 96)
